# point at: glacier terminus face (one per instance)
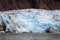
(35, 20)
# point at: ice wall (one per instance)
(35, 20)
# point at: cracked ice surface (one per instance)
(37, 20)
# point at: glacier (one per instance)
(35, 20)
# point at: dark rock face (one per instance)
(23, 4)
(14, 4)
(48, 4)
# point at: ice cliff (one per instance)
(35, 20)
